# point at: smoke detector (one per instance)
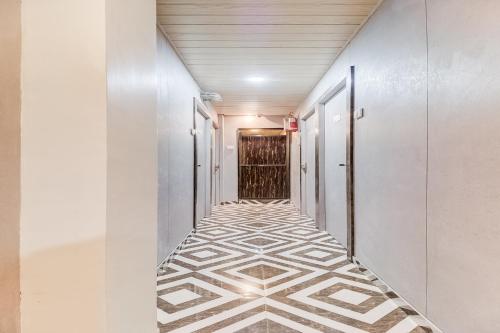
(210, 96)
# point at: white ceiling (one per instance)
(286, 45)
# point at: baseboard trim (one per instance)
(418, 318)
(174, 253)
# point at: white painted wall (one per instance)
(131, 210)
(390, 143)
(176, 90)
(88, 166)
(63, 166)
(390, 155)
(464, 160)
(231, 124)
(459, 231)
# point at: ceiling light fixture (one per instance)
(256, 79)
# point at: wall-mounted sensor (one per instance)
(211, 96)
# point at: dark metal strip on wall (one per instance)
(350, 165)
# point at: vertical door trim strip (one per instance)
(195, 160)
(350, 165)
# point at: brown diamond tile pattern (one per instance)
(264, 267)
(263, 271)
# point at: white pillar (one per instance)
(88, 174)
(132, 178)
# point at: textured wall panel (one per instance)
(389, 54)
(464, 160)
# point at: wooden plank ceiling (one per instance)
(262, 56)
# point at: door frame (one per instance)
(261, 131)
(199, 107)
(319, 106)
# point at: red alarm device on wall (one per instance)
(291, 124)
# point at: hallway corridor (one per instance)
(255, 267)
(250, 166)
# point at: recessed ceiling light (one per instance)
(256, 79)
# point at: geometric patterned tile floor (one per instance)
(255, 267)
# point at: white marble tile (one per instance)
(318, 254)
(292, 325)
(248, 299)
(216, 232)
(369, 317)
(180, 296)
(301, 232)
(225, 297)
(350, 296)
(287, 272)
(203, 254)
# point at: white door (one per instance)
(303, 165)
(335, 170)
(209, 136)
(201, 166)
(214, 170)
(309, 165)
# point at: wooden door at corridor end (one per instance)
(263, 164)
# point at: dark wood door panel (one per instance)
(264, 167)
(264, 182)
(263, 150)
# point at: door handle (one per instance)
(342, 165)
